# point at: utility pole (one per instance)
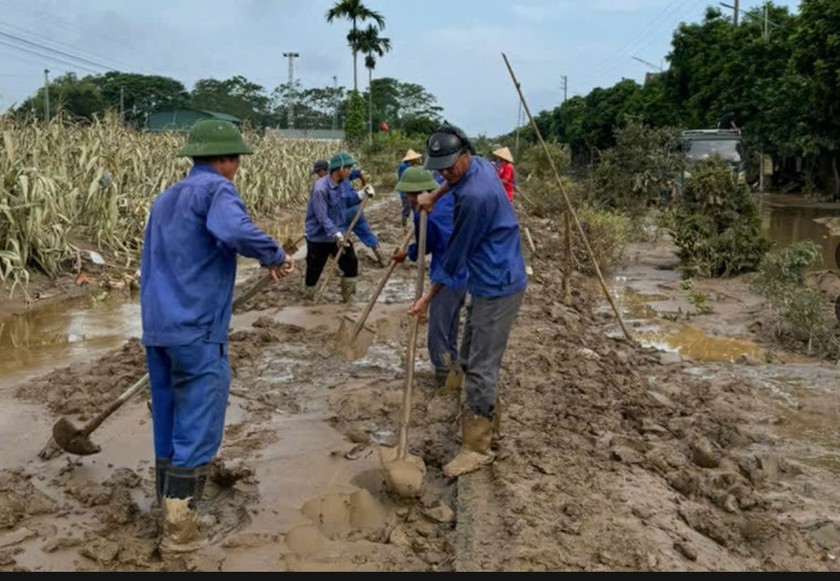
(735, 11)
(565, 87)
(122, 105)
(335, 109)
(47, 95)
(291, 56)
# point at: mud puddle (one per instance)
(64, 332)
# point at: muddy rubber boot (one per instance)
(183, 490)
(379, 258)
(455, 379)
(497, 419)
(475, 451)
(441, 375)
(161, 464)
(309, 292)
(348, 289)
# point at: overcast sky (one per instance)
(451, 47)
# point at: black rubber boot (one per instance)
(161, 464)
(182, 493)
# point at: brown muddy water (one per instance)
(788, 219)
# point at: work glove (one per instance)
(339, 238)
(365, 191)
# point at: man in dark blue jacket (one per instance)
(195, 230)
(485, 240)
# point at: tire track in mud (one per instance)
(479, 533)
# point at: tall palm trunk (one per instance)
(355, 77)
(370, 105)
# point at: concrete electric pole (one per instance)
(47, 95)
(291, 56)
(335, 96)
(565, 87)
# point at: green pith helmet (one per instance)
(213, 137)
(340, 160)
(416, 179)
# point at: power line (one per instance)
(46, 56)
(60, 52)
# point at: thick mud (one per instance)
(613, 456)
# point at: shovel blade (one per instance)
(351, 345)
(71, 439)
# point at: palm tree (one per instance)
(371, 45)
(354, 11)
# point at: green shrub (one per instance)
(717, 225)
(355, 129)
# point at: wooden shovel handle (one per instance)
(334, 263)
(378, 291)
(402, 443)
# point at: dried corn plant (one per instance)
(65, 184)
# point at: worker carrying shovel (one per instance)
(445, 307)
(485, 241)
(324, 227)
(196, 229)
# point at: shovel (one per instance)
(67, 437)
(404, 472)
(354, 337)
(334, 263)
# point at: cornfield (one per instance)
(64, 184)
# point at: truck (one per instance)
(701, 144)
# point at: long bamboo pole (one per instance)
(566, 200)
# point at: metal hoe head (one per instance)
(350, 343)
(73, 440)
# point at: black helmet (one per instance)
(444, 146)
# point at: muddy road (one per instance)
(687, 451)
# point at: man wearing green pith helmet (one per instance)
(195, 230)
(324, 227)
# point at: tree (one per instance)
(141, 95)
(406, 106)
(372, 45)
(78, 98)
(236, 96)
(354, 129)
(356, 12)
(817, 60)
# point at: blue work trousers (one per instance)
(190, 385)
(362, 229)
(444, 319)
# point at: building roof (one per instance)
(181, 119)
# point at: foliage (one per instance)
(717, 226)
(354, 129)
(383, 155)
(236, 96)
(633, 175)
(406, 106)
(793, 305)
(356, 12)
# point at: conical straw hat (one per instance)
(504, 153)
(411, 154)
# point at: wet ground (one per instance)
(688, 451)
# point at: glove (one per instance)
(339, 238)
(368, 189)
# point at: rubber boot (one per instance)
(455, 379)
(309, 292)
(379, 257)
(441, 375)
(161, 464)
(183, 490)
(475, 450)
(348, 289)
